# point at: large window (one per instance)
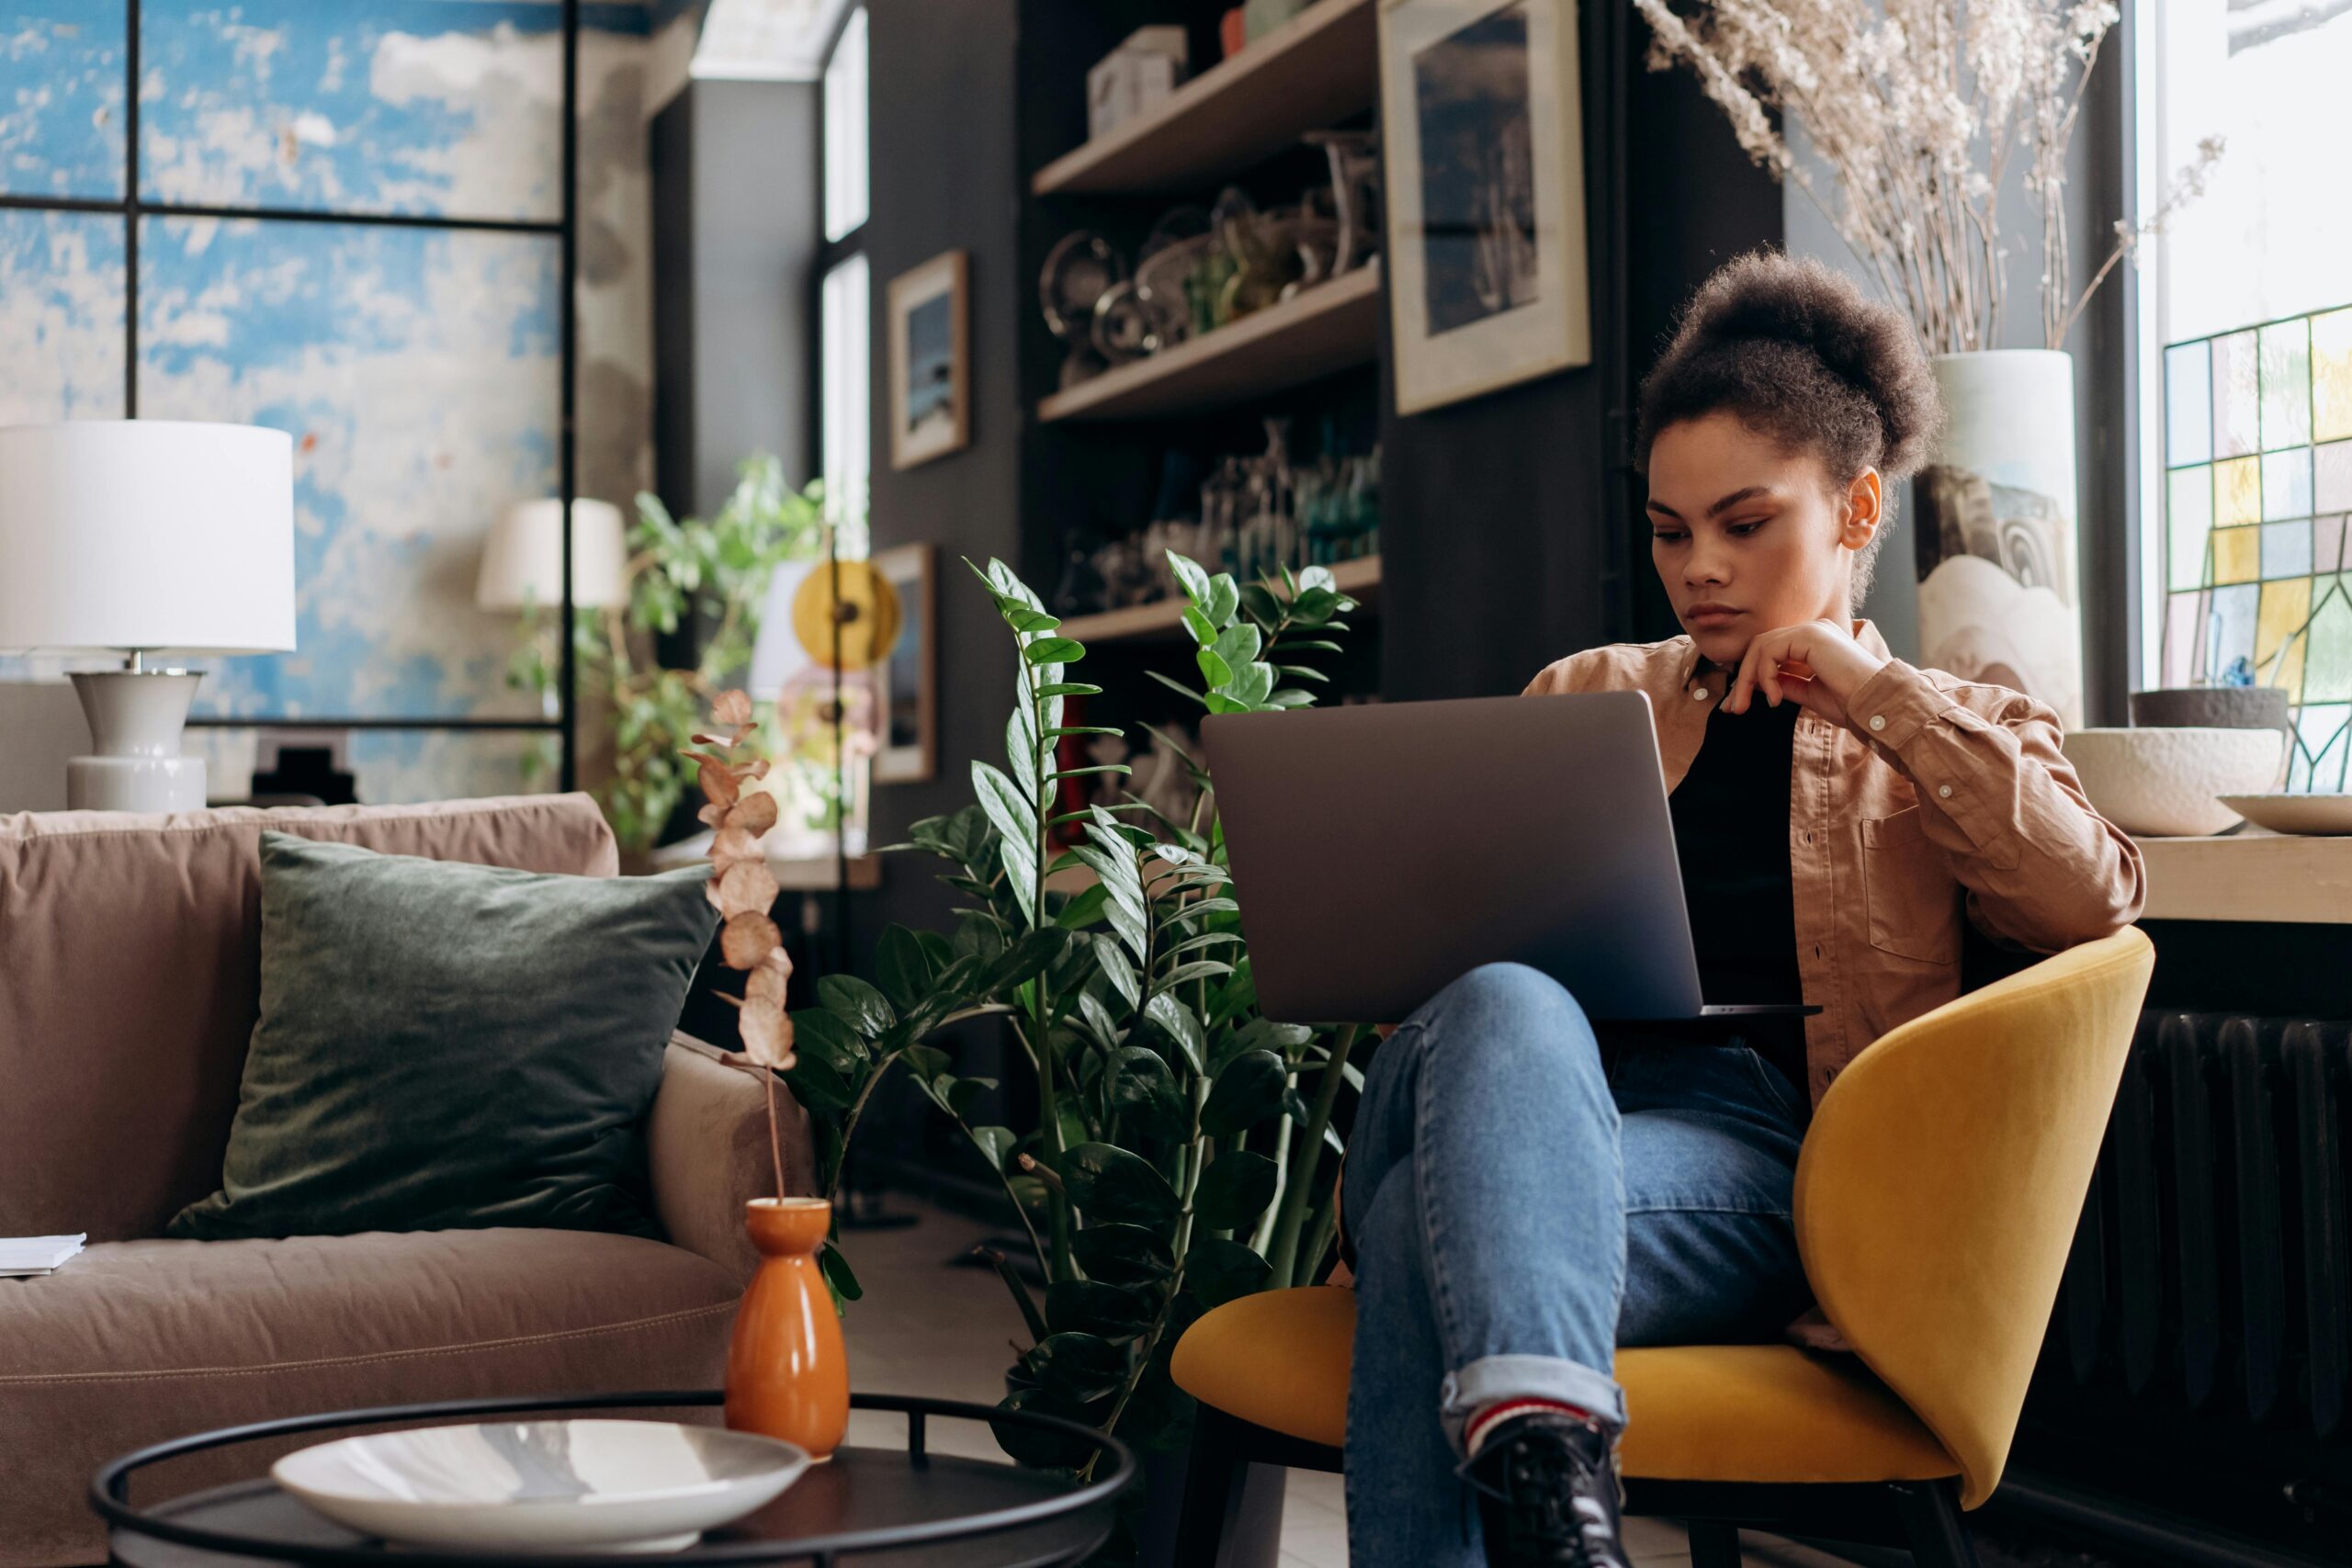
(846, 310)
(2246, 353)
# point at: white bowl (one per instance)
(2166, 783)
(2317, 813)
(543, 1485)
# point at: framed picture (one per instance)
(1482, 116)
(930, 412)
(909, 715)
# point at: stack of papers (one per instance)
(37, 1254)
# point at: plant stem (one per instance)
(776, 1136)
(1283, 1257)
(849, 1124)
(1041, 1008)
(1319, 1241)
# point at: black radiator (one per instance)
(2199, 1366)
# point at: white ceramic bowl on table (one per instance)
(543, 1485)
(2168, 783)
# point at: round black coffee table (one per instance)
(868, 1507)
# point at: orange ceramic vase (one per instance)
(788, 1375)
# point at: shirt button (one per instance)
(1943, 792)
(1699, 694)
(1878, 721)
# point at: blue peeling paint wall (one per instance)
(415, 369)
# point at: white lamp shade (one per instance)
(521, 563)
(146, 534)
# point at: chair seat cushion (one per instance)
(135, 1342)
(1279, 1359)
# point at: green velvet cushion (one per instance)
(450, 1046)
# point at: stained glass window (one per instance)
(2257, 495)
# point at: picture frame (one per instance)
(931, 408)
(908, 752)
(1482, 109)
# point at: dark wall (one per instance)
(947, 175)
(735, 236)
(1511, 531)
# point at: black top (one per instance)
(1731, 835)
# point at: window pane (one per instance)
(416, 370)
(845, 397)
(845, 194)
(63, 64)
(396, 106)
(61, 316)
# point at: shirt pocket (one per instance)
(1914, 906)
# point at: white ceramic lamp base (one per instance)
(136, 716)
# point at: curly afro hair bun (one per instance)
(1797, 352)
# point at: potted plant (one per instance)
(1920, 111)
(1183, 1151)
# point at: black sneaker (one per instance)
(1547, 1493)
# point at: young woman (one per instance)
(1523, 1195)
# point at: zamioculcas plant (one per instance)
(1183, 1151)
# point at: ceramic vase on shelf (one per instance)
(787, 1374)
(1999, 598)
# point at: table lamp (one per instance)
(522, 562)
(144, 537)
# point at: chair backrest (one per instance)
(1942, 1179)
(129, 963)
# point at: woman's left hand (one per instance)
(1817, 666)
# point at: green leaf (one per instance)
(1214, 669)
(1083, 910)
(1022, 961)
(839, 1279)
(1122, 1253)
(856, 1003)
(1011, 813)
(1020, 864)
(1041, 1450)
(1117, 970)
(902, 968)
(1181, 1026)
(1143, 1089)
(1202, 630)
(1252, 683)
(1247, 1090)
(824, 1036)
(926, 1062)
(1089, 1306)
(1021, 751)
(1233, 1192)
(1107, 1183)
(1217, 1271)
(1022, 618)
(1054, 650)
(1224, 598)
(1190, 577)
(818, 1086)
(1069, 689)
(996, 1145)
(1199, 969)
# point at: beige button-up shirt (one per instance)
(1937, 797)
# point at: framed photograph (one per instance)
(1482, 118)
(930, 412)
(910, 715)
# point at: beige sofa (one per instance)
(129, 962)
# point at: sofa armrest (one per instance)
(707, 1142)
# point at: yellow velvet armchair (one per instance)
(1936, 1196)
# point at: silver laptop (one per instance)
(1380, 852)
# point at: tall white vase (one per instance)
(1999, 598)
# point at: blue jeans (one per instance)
(1521, 1200)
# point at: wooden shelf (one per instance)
(1315, 69)
(1330, 327)
(1141, 623)
(2250, 876)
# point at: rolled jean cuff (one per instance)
(1492, 1378)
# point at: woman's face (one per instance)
(1748, 536)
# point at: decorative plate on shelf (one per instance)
(543, 1485)
(2320, 814)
